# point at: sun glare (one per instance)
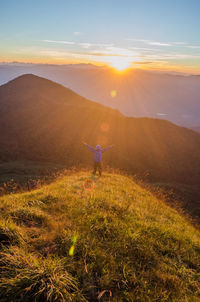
(120, 64)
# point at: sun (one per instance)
(120, 64)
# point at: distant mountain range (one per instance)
(42, 120)
(136, 93)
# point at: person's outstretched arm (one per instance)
(107, 148)
(92, 149)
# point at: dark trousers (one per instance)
(97, 167)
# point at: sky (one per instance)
(148, 34)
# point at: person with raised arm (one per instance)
(98, 157)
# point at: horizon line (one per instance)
(170, 71)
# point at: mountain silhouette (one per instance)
(42, 120)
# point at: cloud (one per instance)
(90, 45)
(108, 53)
(193, 46)
(144, 48)
(161, 114)
(143, 62)
(138, 40)
(55, 53)
(98, 52)
(85, 45)
(179, 43)
(157, 43)
(160, 55)
(115, 51)
(77, 33)
(151, 42)
(59, 42)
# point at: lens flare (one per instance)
(71, 250)
(88, 184)
(105, 127)
(113, 93)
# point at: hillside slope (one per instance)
(44, 121)
(115, 242)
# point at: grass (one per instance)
(16, 175)
(116, 242)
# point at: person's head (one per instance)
(98, 147)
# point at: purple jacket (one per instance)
(97, 153)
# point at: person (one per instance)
(98, 157)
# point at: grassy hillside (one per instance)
(115, 242)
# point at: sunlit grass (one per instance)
(116, 241)
(28, 277)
